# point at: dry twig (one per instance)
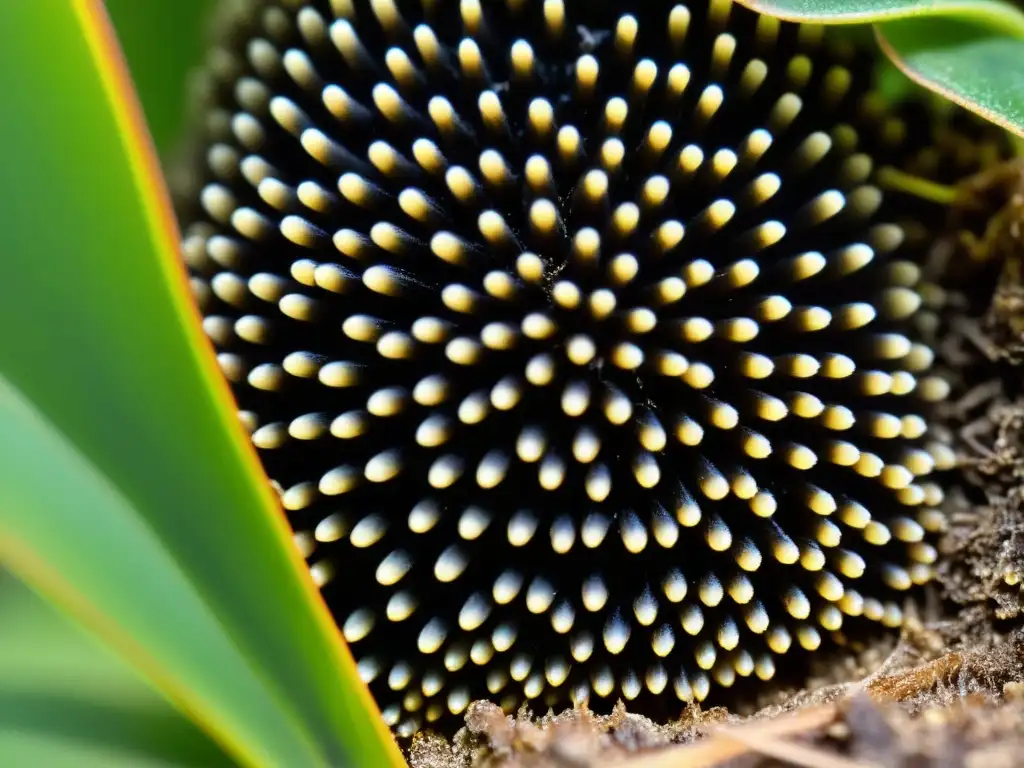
(730, 742)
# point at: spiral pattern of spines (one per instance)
(576, 342)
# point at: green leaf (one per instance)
(78, 538)
(129, 493)
(992, 13)
(163, 42)
(964, 63)
(67, 701)
(969, 51)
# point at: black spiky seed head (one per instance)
(575, 336)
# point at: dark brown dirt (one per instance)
(950, 691)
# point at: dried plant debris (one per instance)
(574, 737)
(983, 549)
(953, 711)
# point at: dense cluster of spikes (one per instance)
(576, 340)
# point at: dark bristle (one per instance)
(579, 343)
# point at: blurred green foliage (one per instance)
(163, 41)
(66, 700)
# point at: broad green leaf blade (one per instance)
(996, 14)
(103, 342)
(162, 42)
(968, 65)
(67, 701)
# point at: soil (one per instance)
(950, 690)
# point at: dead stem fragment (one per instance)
(905, 685)
(766, 737)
